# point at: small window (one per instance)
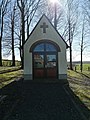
(39, 47)
(45, 47)
(50, 47)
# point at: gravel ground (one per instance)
(43, 101)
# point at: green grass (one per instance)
(87, 73)
(85, 67)
(6, 78)
(80, 84)
(9, 63)
(74, 74)
(8, 68)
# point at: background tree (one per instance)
(85, 30)
(12, 34)
(54, 11)
(63, 15)
(71, 23)
(31, 9)
(27, 12)
(9, 41)
(82, 43)
(3, 9)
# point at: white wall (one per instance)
(50, 34)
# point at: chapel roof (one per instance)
(51, 25)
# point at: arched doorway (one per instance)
(45, 60)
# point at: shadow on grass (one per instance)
(78, 103)
(84, 80)
(11, 70)
(16, 90)
(83, 74)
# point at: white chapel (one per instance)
(45, 53)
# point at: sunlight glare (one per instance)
(53, 1)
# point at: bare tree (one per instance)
(84, 39)
(82, 44)
(85, 33)
(53, 11)
(21, 5)
(86, 8)
(27, 12)
(12, 33)
(3, 9)
(72, 17)
(31, 9)
(11, 41)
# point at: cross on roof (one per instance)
(44, 26)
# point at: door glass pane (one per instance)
(39, 47)
(38, 61)
(50, 47)
(51, 61)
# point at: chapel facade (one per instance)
(45, 53)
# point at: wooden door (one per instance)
(45, 65)
(51, 66)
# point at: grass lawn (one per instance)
(85, 67)
(80, 84)
(2, 69)
(6, 78)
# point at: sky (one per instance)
(75, 47)
(76, 56)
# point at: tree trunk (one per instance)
(12, 32)
(71, 57)
(23, 39)
(1, 41)
(83, 30)
(81, 67)
(27, 26)
(13, 53)
(0, 52)
(55, 17)
(70, 43)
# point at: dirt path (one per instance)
(44, 101)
